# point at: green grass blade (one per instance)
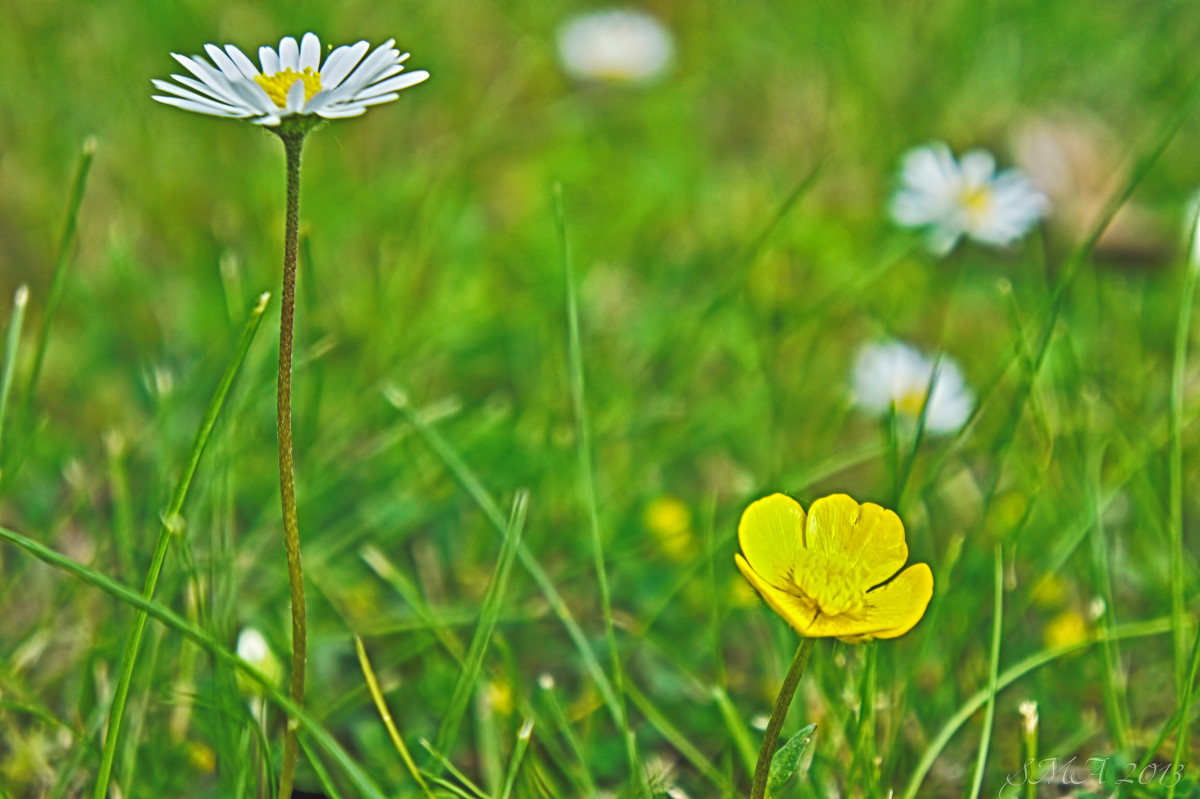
(559, 716)
(319, 769)
(747, 753)
(172, 524)
(677, 739)
(448, 766)
(82, 168)
(1011, 675)
(518, 756)
(474, 487)
(164, 615)
(1183, 330)
(1184, 711)
(386, 715)
(387, 571)
(489, 614)
(989, 714)
(20, 301)
(587, 480)
(1110, 655)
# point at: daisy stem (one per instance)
(784, 701)
(293, 143)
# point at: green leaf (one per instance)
(784, 763)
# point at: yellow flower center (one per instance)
(977, 200)
(910, 403)
(276, 86)
(833, 584)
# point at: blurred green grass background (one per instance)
(719, 321)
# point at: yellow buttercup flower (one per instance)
(835, 573)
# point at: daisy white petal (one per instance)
(310, 52)
(342, 111)
(208, 76)
(199, 86)
(223, 62)
(268, 121)
(166, 86)
(253, 96)
(269, 59)
(339, 63)
(383, 98)
(393, 85)
(289, 54)
(380, 59)
(243, 62)
(195, 105)
(978, 166)
(295, 97)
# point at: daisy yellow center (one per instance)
(276, 86)
(834, 585)
(910, 403)
(977, 200)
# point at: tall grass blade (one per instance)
(1183, 331)
(1011, 675)
(469, 481)
(168, 617)
(989, 714)
(489, 614)
(587, 480)
(1184, 711)
(82, 168)
(319, 769)
(448, 766)
(20, 301)
(386, 715)
(172, 524)
(518, 756)
(677, 739)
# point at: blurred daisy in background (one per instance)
(293, 81)
(614, 46)
(950, 199)
(253, 648)
(892, 374)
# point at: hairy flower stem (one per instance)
(293, 143)
(784, 701)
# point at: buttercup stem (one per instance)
(784, 701)
(293, 143)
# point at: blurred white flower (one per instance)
(292, 82)
(253, 648)
(614, 46)
(891, 374)
(951, 198)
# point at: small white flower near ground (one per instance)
(892, 374)
(293, 81)
(615, 46)
(952, 198)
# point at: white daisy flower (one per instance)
(253, 648)
(952, 198)
(891, 374)
(614, 46)
(293, 81)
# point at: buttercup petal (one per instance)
(867, 535)
(771, 533)
(795, 610)
(896, 608)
